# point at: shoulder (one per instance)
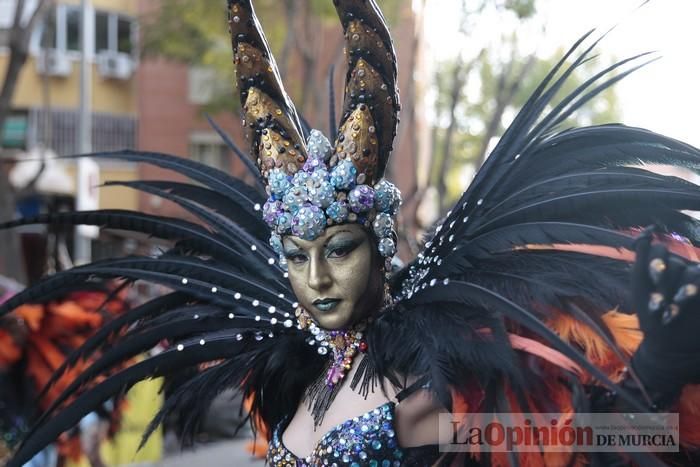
(418, 419)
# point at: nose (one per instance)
(319, 274)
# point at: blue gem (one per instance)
(376, 445)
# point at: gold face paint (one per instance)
(337, 276)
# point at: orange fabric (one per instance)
(257, 447)
(31, 314)
(624, 329)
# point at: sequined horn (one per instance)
(371, 103)
(271, 122)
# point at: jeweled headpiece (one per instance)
(312, 184)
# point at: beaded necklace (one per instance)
(343, 345)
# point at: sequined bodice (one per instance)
(366, 440)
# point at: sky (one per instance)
(663, 96)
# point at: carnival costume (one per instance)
(34, 342)
(520, 301)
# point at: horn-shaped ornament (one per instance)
(271, 122)
(371, 104)
(315, 185)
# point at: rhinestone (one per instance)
(517, 156)
(281, 295)
(184, 280)
(196, 316)
(239, 337)
(465, 219)
(285, 275)
(295, 304)
(271, 334)
(257, 206)
(201, 342)
(432, 282)
(446, 281)
(258, 337)
(271, 261)
(256, 302)
(180, 347)
(257, 318)
(231, 316)
(288, 323)
(480, 202)
(214, 290)
(237, 296)
(273, 321)
(253, 247)
(271, 309)
(322, 351)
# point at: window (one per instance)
(113, 33)
(124, 35)
(61, 29)
(73, 18)
(101, 32)
(49, 33)
(208, 149)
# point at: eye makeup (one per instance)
(341, 247)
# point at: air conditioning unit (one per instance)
(115, 65)
(53, 62)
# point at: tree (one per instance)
(194, 32)
(20, 34)
(454, 76)
(500, 79)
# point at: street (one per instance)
(230, 453)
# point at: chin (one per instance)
(331, 322)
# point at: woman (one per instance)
(519, 302)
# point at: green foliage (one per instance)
(195, 32)
(476, 107)
(522, 8)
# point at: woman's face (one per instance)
(335, 277)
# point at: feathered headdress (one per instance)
(312, 184)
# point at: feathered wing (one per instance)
(227, 316)
(524, 283)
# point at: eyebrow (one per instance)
(326, 242)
